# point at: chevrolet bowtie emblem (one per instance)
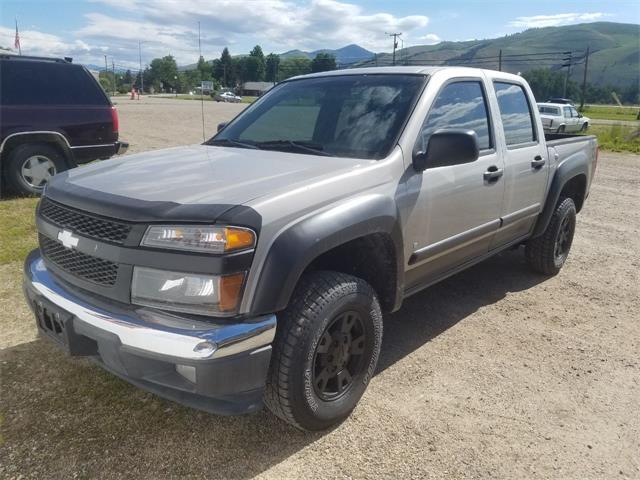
(67, 239)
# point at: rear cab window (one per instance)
(48, 83)
(461, 104)
(516, 114)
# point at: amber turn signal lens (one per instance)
(238, 239)
(230, 288)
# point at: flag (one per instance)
(16, 43)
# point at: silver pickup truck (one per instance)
(255, 268)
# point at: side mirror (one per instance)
(446, 148)
(222, 125)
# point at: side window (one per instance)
(460, 105)
(574, 112)
(517, 118)
(47, 83)
(567, 112)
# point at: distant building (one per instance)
(255, 89)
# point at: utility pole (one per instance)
(584, 78)
(500, 61)
(106, 72)
(113, 69)
(395, 44)
(141, 75)
(567, 63)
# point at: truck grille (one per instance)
(97, 270)
(83, 223)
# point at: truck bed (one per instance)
(555, 139)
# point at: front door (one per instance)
(526, 163)
(456, 209)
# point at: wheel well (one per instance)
(371, 258)
(575, 189)
(51, 140)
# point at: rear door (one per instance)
(526, 163)
(455, 211)
(571, 122)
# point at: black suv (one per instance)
(54, 115)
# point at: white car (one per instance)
(561, 118)
(227, 97)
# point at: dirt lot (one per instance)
(496, 372)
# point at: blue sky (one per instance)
(88, 30)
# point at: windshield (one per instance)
(358, 116)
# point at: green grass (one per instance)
(610, 112)
(18, 232)
(617, 138)
(206, 98)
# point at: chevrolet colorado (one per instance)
(255, 268)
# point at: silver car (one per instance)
(229, 97)
(562, 118)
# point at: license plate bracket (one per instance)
(57, 324)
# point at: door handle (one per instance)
(537, 162)
(493, 173)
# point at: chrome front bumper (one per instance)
(150, 331)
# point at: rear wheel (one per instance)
(325, 352)
(560, 129)
(547, 253)
(31, 166)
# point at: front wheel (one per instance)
(325, 351)
(584, 127)
(547, 253)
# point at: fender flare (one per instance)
(41, 136)
(295, 248)
(569, 169)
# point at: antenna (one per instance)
(201, 86)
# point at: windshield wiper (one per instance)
(232, 143)
(311, 147)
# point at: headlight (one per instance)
(187, 292)
(199, 238)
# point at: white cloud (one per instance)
(538, 21)
(38, 43)
(277, 25)
(430, 39)
(171, 27)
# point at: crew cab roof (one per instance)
(409, 70)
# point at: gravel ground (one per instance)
(496, 372)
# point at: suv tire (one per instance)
(547, 253)
(30, 166)
(325, 351)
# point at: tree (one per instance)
(546, 83)
(323, 62)
(256, 65)
(127, 78)
(164, 72)
(271, 67)
(204, 67)
(223, 69)
(291, 67)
